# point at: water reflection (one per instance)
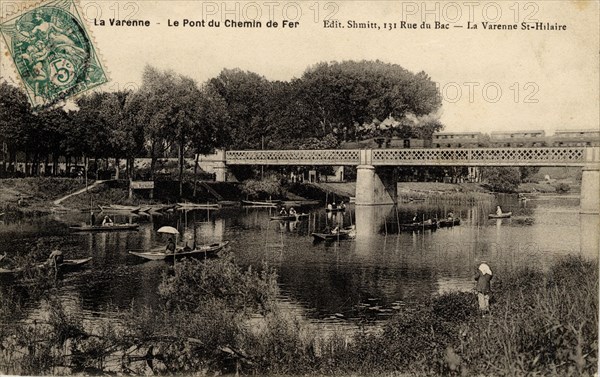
(380, 271)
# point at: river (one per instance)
(340, 282)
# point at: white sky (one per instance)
(559, 70)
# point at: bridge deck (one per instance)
(542, 156)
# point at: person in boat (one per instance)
(483, 286)
(335, 230)
(292, 211)
(329, 206)
(450, 215)
(498, 210)
(282, 211)
(56, 257)
(170, 249)
(414, 220)
(92, 218)
(107, 221)
(342, 205)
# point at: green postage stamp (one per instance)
(53, 52)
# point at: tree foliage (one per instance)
(172, 115)
(501, 179)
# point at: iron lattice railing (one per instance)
(294, 157)
(480, 156)
(543, 156)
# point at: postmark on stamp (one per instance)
(53, 52)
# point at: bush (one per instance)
(502, 179)
(541, 323)
(562, 188)
(267, 188)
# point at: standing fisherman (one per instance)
(483, 287)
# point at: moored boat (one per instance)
(119, 208)
(298, 203)
(189, 205)
(445, 223)
(343, 234)
(423, 225)
(66, 266)
(73, 264)
(200, 251)
(504, 215)
(259, 203)
(104, 228)
(290, 217)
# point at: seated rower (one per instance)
(498, 210)
(282, 212)
(107, 221)
(55, 258)
(170, 249)
(292, 211)
(329, 206)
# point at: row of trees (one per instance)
(329, 103)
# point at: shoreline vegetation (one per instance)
(215, 317)
(39, 193)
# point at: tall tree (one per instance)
(351, 93)
(247, 96)
(15, 121)
(174, 110)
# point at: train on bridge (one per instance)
(508, 139)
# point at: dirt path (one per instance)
(60, 200)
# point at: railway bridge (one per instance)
(370, 189)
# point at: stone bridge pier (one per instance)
(589, 201)
(372, 188)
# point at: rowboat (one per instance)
(504, 215)
(424, 225)
(66, 266)
(444, 223)
(72, 264)
(335, 209)
(160, 254)
(104, 228)
(343, 234)
(298, 203)
(189, 205)
(259, 204)
(290, 217)
(119, 208)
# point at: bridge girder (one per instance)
(539, 156)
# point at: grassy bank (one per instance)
(36, 193)
(217, 318)
(165, 192)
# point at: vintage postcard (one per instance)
(312, 187)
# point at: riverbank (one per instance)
(35, 194)
(40, 194)
(542, 322)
